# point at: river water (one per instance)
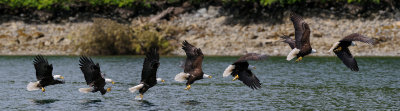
(314, 83)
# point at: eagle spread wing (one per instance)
(150, 65)
(90, 70)
(43, 68)
(194, 58)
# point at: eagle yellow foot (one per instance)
(43, 90)
(141, 96)
(187, 87)
(299, 59)
(236, 77)
(109, 89)
(338, 49)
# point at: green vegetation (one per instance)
(65, 4)
(107, 37)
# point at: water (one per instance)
(314, 83)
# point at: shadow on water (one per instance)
(145, 103)
(190, 102)
(88, 102)
(44, 101)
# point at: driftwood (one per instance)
(162, 14)
(171, 11)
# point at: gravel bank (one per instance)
(210, 29)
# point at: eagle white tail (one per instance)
(135, 88)
(228, 71)
(181, 77)
(85, 90)
(33, 86)
(292, 54)
(334, 46)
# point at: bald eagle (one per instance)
(43, 75)
(149, 73)
(242, 70)
(342, 51)
(301, 45)
(93, 76)
(192, 67)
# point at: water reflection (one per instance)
(190, 102)
(145, 103)
(44, 101)
(87, 102)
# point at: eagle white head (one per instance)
(353, 43)
(58, 77)
(313, 51)
(160, 80)
(251, 67)
(109, 80)
(207, 76)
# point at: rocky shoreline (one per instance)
(216, 34)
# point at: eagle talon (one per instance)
(299, 59)
(141, 96)
(236, 77)
(43, 90)
(108, 89)
(187, 87)
(338, 49)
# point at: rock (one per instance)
(317, 34)
(202, 12)
(47, 43)
(4, 36)
(58, 39)
(260, 29)
(220, 20)
(254, 37)
(37, 35)
(178, 10)
(43, 15)
(26, 39)
(397, 23)
(12, 42)
(124, 13)
(41, 44)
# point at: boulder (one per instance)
(37, 35)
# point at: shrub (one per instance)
(106, 37)
(150, 35)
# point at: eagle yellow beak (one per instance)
(254, 67)
(236, 77)
(187, 87)
(210, 77)
(108, 89)
(43, 90)
(163, 81)
(112, 82)
(61, 77)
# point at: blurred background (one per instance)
(218, 27)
